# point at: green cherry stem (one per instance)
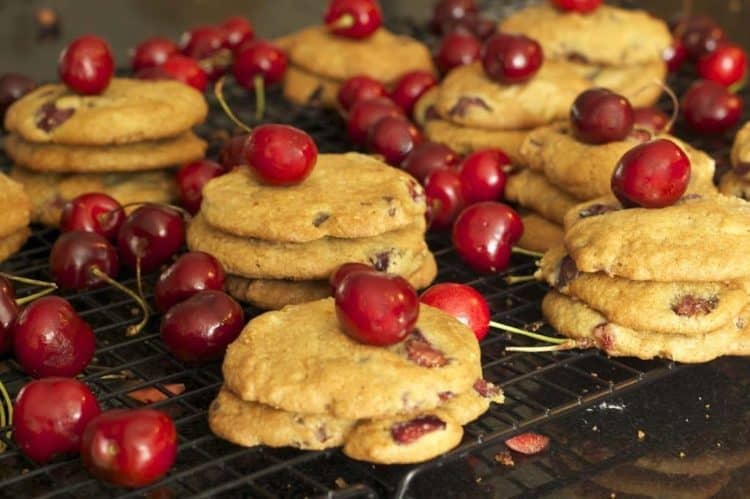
(515, 279)
(219, 92)
(567, 345)
(28, 280)
(344, 22)
(529, 334)
(260, 96)
(133, 329)
(7, 407)
(522, 251)
(32, 297)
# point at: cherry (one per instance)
(209, 45)
(13, 86)
(651, 175)
(444, 192)
(484, 233)
(483, 175)
(153, 52)
(581, 6)
(8, 312)
(726, 65)
(258, 64)
(481, 27)
(675, 55)
(651, 119)
(129, 447)
(599, 115)
(280, 154)
(190, 181)
(700, 35)
(230, 154)
(237, 30)
(428, 157)
(393, 137)
(410, 87)
(457, 49)
(366, 113)
(359, 88)
(376, 308)
(50, 339)
(50, 416)
(462, 302)
(511, 58)
(344, 270)
(86, 65)
(186, 70)
(449, 12)
(710, 108)
(150, 236)
(192, 272)
(200, 328)
(82, 260)
(93, 212)
(353, 18)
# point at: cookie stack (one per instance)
(736, 182)
(14, 224)
(293, 378)
(669, 282)
(281, 244)
(121, 142)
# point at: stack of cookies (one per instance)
(670, 282)
(736, 182)
(293, 378)
(281, 244)
(14, 224)
(121, 142)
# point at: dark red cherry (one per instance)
(129, 447)
(237, 31)
(153, 52)
(376, 308)
(86, 65)
(462, 302)
(727, 64)
(203, 41)
(344, 270)
(511, 59)
(444, 192)
(76, 254)
(701, 35)
(13, 86)
(711, 108)
(599, 115)
(8, 312)
(651, 175)
(200, 328)
(651, 119)
(50, 415)
(353, 18)
(457, 49)
(364, 114)
(359, 88)
(190, 181)
(280, 154)
(449, 12)
(230, 154)
(260, 59)
(483, 175)
(484, 233)
(93, 212)
(394, 138)
(50, 339)
(410, 87)
(581, 6)
(191, 273)
(675, 55)
(186, 70)
(150, 236)
(428, 157)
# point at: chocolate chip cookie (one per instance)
(465, 140)
(12, 242)
(15, 206)
(640, 84)
(539, 234)
(532, 190)
(732, 184)
(741, 152)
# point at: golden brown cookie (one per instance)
(465, 140)
(741, 152)
(532, 190)
(640, 84)
(11, 243)
(15, 206)
(539, 234)
(733, 184)
(308, 89)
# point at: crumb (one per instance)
(708, 416)
(718, 444)
(613, 495)
(340, 483)
(641, 434)
(682, 455)
(535, 326)
(595, 375)
(478, 480)
(707, 406)
(594, 428)
(505, 458)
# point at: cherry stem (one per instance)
(343, 22)
(515, 279)
(672, 97)
(219, 92)
(260, 97)
(523, 332)
(569, 344)
(139, 281)
(7, 406)
(133, 329)
(27, 280)
(522, 251)
(32, 297)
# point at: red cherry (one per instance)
(203, 41)
(710, 108)
(237, 31)
(150, 236)
(153, 52)
(484, 233)
(675, 55)
(86, 65)
(8, 312)
(410, 87)
(76, 254)
(344, 270)
(511, 58)
(200, 328)
(359, 88)
(230, 154)
(444, 192)
(259, 59)
(651, 175)
(129, 447)
(449, 12)
(483, 175)
(50, 415)
(93, 212)
(700, 35)
(599, 115)
(190, 181)
(192, 272)
(726, 65)
(581, 6)
(651, 118)
(462, 302)
(428, 157)
(13, 86)
(457, 49)
(366, 113)
(49, 339)
(376, 308)
(184, 69)
(353, 18)
(280, 154)
(394, 138)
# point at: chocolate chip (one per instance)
(691, 305)
(464, 103)
(410, 431)
(320, 218)
(317, 96)
(445, 396)
(51, 117)
(486, 389)
(431, 114)
(593, 210)
(422, 353)
(321, 434)
(566, 273)
(381, 261)
(415, 191)
(742, 168)
(577, 57)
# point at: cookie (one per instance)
(128, 111)
(346, 195)
(532, 190)
(639, 84)
(607, 36)
(298, 359)
(468, 97)
(697, 239)
(50, 191)
(11, 243)
(732, 184)
(741, 152)
(273, 294)
(465, 140)
(150, 155)
(15, 206)
(574, 319)
(307, 89)
(539, 234)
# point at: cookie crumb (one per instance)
(682, 455)
(594, 428)
(340, 483)
(505, 458)
(641, 435)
